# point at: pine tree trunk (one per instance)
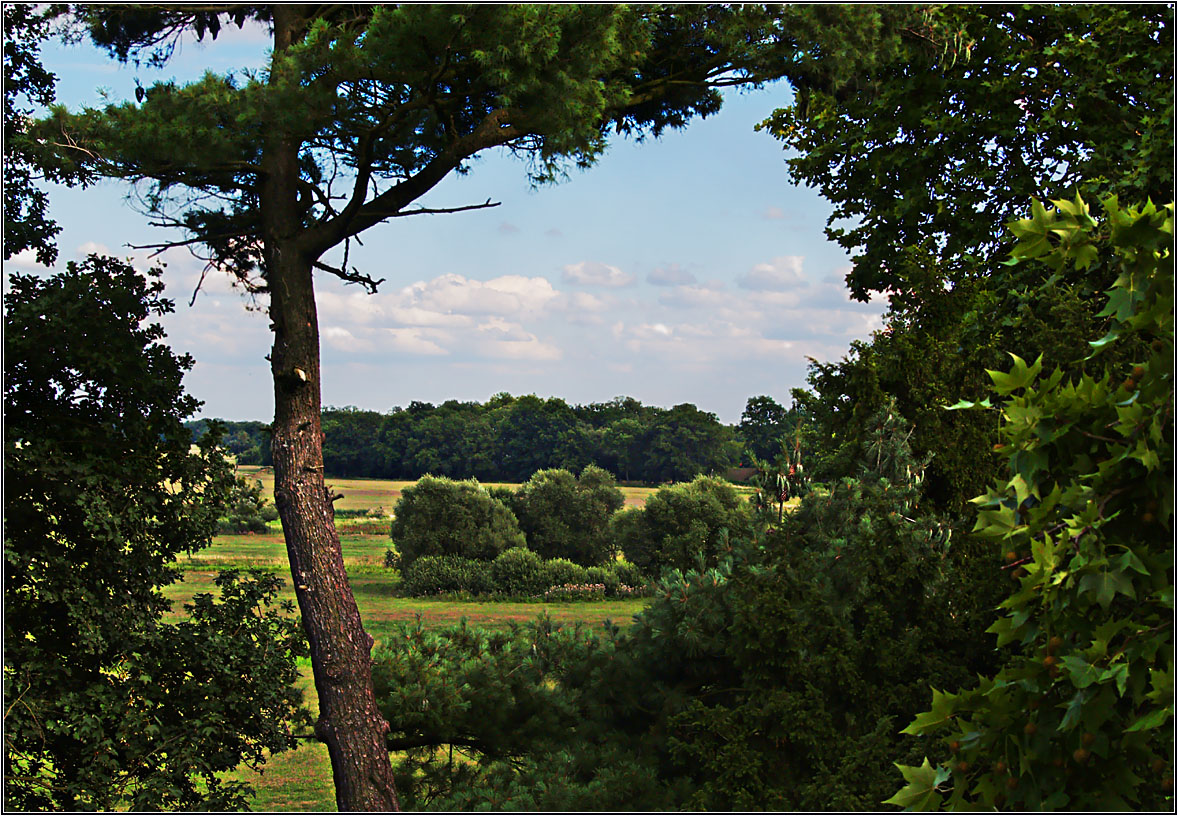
(349, 722)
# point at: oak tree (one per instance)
(109, 705)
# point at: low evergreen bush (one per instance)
(629, 574)
(605, 576)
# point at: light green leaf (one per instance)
(1154, 719)
(1074, 709)
(1082, 672)
(1119, 673)
(964, 405)
(921, 791)
(943, 708)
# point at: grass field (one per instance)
(300, 780)
(370, 494)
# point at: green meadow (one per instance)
(300, 779)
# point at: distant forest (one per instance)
(507, 439)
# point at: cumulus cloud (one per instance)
(340, 338)
(412, 341)
(670, 275)
(783, 272)
(455, 294)
(505, 340)
(25, 261)
(706, 296)
(592, 273)
(91, 248)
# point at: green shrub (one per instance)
(246, 510)
(568, 517)
(560, 571)
(392, 558)
(434, 574)
(518, 571)
(682, 524)
(629, 575)
(445, 517)
(504, 494)
(605, 576)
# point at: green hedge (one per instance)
(437, 574)
(518, 572)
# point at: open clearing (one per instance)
(300, 780)
(372, 494)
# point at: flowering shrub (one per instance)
(575, 592)
(625, 591)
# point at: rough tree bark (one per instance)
(350, 722)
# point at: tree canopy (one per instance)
(107, 704)
(1080, 716)
(981, 110)
(379, 103)
(26, 85)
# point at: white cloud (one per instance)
(455, 294)
(503, 340)
(26, 261)
(694, 297)
(783, 272)
(670, 275)
(91, 248)
(592, 273)
(411, 341)
(341, 339)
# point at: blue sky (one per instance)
(683, 269)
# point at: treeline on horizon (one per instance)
(508, 438)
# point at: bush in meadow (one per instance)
(439, 516)
(682, 526)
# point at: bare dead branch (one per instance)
(203, 274)
(354, 276)
(440, 210)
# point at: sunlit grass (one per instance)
(382, 494)
(300, 780)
